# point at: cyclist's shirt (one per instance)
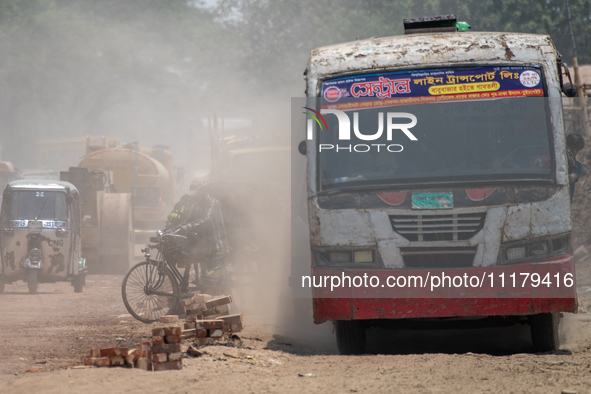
(202, 214)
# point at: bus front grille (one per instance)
(425, 228)
(438, 257)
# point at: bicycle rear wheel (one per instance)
(137, 287)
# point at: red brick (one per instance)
(96, 352)
(158, 332)
(144, 364)
(114, 351)
(166, 348)
(212, 324)
(173, 331)
(160, 358)
(101, 361)
(117, 361)
(157, 340)
(88, 361)
(223, 309)
(173, 339)
(145, 350)
(168, 366)
(175, 356)
(107, 352)
(232, 319)
(132, 356)
(189, 325)
(218, 302)
(146, 354)
(201, 298)
(169, 319)
(201, 333)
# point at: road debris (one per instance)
(207, 321)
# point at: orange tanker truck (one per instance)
(126, 192)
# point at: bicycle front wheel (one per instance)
(138, 288)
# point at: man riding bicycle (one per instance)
(198, 216)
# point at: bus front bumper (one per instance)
(499, 291)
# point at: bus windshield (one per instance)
(483, 138)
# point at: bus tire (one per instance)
(544, 332)
(351, 336)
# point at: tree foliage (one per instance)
(278, 35)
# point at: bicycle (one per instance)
(153, 288)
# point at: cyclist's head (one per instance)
(575, 142)
(198, 184)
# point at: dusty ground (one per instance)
(53, 331)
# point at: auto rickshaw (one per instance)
(40, 234)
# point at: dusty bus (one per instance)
(437, 184)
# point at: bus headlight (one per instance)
(512, 252)
(345, 258)
(340, 257)
(516, 253)
(363, 256)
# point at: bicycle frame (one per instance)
(162, 264)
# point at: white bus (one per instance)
(438, 183)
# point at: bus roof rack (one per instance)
(430, 24)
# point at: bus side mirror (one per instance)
(302, 148)
(569, 89)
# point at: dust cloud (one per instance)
(175, 73)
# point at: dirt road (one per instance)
(53, 330)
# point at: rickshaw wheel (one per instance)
(148, 308)
(32, 281)
(78, 283)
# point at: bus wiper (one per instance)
(42, 206)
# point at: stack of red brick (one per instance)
(162, 353)
(112, 357)
(208, 318)
(165, 349)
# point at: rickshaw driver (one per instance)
(198, 216)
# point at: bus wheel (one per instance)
(544, 332)
(350, 336)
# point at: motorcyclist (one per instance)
(198, 215)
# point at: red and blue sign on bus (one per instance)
(425, 86)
